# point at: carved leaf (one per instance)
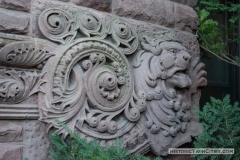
(27, 54)
(16, 86)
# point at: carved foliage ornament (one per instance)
(102, 84)
(62, 26)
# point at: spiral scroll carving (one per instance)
(57, 25)
(123, 36)
(94, 80)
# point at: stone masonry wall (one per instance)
(20, 138)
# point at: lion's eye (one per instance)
(172, 50)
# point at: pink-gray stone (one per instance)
(13, 21)
(101, 5)
(186, 19)
(191, 3)
(19, 5)
(161, 12)
(11, 152)
(10, 132)
(154, 11)
(36, 141)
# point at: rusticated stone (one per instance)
(13, 21)
(186, 19)
(11, 152)
(191, 3)
(19, 5)
(101, 5)
(154, 11)
(36, 141)
(10, 132)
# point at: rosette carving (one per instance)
(27, 54)
(123, 36)
(90, 25)
(16, 86)
(61, 26)
(57, 25)
(93, 85)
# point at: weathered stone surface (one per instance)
(10, 132)
(19, 5)
(36, 141)
(11, 152)
(161, 12)
(186, 18)
(191, 3)
(140, 87)
(13, 21)
(101, 5)
(154, 11)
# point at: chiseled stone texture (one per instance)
(11, 152)
(36, 142)
(191, 3)
(13, 21)
(19, 5)
(160, 12)
(186, 19)
(10, 132)
(101, 5)
(154, 11)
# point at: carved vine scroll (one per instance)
(105, 81)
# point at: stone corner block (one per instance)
(101, 5)
(11, 152)
(186, 19)
(19, 5)
(159, 12)
(14, 21)
(190, 3)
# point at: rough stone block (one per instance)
(191, 3)
(101, 5)
(186, 19)
(10, 132)
(154, 11)
(11, 152)
(36, 141)
(13, 21)
(19, 5)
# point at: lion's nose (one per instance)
(186, 57)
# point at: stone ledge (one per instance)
(14, 21)
(19, 5)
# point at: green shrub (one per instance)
(79, 149)
(221, 122)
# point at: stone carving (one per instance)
(104, 81)
(16, 86)
(63, 27)
(164, 62)
(92, 85)
(26, 54)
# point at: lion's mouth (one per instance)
(180, 79)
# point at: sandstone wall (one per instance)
(21, 134)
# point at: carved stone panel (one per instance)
(103, 80)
